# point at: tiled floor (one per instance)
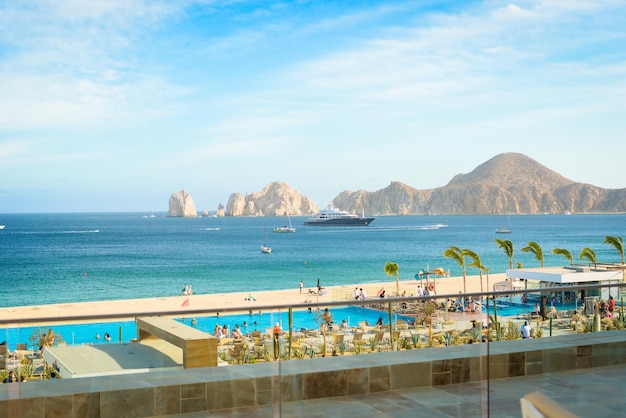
(597, 392)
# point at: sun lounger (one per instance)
(364, 327)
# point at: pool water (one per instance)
(507, 308)
(79, 334)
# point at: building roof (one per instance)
(104, 359)
(566, 275)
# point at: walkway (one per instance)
(592, 392)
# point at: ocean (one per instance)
(59, 258)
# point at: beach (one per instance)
(236, 302)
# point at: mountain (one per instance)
(507, 183)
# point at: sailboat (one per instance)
(505, 229)
(285, 228)
(264, 247)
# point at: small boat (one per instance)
(2, 226)
(332, 216)
(505, 229)
(285, 228)
(264, 247)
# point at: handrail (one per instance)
(272, 307)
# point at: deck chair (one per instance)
(401, 325)
(357, 339)
(379, 338)
(337, 339)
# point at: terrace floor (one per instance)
(590, 392)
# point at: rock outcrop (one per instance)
(276, 199)
(181, 205)
(220, 211)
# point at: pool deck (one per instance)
(590, 392)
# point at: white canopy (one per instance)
(566, 275)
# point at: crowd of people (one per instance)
(462, 304)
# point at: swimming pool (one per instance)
(79, 334)
(509, 308)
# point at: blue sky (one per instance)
(113, 105)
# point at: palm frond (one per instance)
(589, 254)
(533, 247)
(565, 253)
(617, 243)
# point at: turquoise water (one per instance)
(78, 334)
(55, 258)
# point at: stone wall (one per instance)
(206, 389)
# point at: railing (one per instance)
(401, 353)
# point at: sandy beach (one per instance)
(235, 302)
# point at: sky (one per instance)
(113, 105)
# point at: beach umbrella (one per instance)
(439, 271)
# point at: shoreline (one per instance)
(236, 302)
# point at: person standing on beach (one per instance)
(301, 286)
(357, 294)
(363, 295)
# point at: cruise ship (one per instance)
(332, 216)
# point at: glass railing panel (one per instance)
(389, 338)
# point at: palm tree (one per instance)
(589, 254)
(475, 263)
(457, 255)
(392, 269)
(565, 253)
(507, 246)
(533, 247)
(617, 243)
(486, 270)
